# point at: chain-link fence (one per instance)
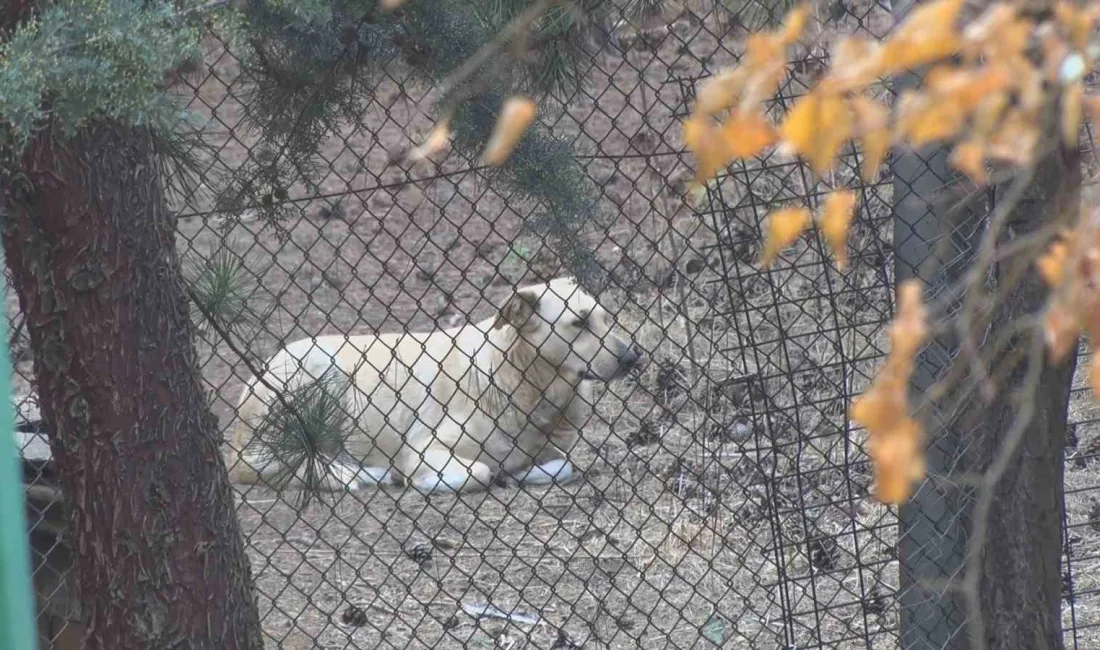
(724, 495)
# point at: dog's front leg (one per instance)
(550, 466)
(439, 470)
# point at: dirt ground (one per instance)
(721, 494)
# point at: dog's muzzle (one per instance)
(630, 360)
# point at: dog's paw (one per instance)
(345, 476)
(374, 476)
(452, 478)
(558, 471)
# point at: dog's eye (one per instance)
(579, 323)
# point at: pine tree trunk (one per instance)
(159, 556)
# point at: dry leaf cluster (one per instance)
(895, 439)
(787, 224)
(1071, 267)
(996, 90)
(984, 89)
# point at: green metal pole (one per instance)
(17, 621)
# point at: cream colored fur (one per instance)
(450, 409)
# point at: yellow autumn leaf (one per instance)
(895, 439)
(898, 461)
(516, 116)
(923, 120)
(1076, 22)
(987, 115)
(967, 87)
(784, 227)
(1061, 331)
(765, 64)
(1052, 264)
(909, 328)
(969, 157)
(1016, 137)
(704, 140)
(871, 126)
(836, 220)
(1071, 112)
(437, 139)
(795, 23)
(927, 35)
(816, 127)
(856, 62)
(747, 134)
(879, 409)
(765, 57)
(720, 91)
(997, 34)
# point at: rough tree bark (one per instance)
(1020, 586)
(159, 557)
(1021, 579)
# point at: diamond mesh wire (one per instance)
(724, 498)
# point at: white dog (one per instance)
(451, 409)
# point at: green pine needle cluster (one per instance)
(225, 295)
(308, 77)
(81, 60)
(311, 67)
(304, 432)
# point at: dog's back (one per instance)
(387, 383)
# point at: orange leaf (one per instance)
(747, 134)
(703, 139)
(922, 120)
(816, 127)
(720, 91)
(765, 63)
(438, 138)
(1078, 24)
(969, 157)
(927, 35)
(909, 328)
(515, 117)
(1061, 330)
(871, 117)
(898, 461)
(967, 87)
(1016, 138)
(794, 24)
(1071, 108)
(1052, 265)
(998, 33)
(784, 227)
(836, 219)
(856, 62)
(879, 410)
(987, 114)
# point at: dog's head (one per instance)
(568, 328)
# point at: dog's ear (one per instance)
(518, 311)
